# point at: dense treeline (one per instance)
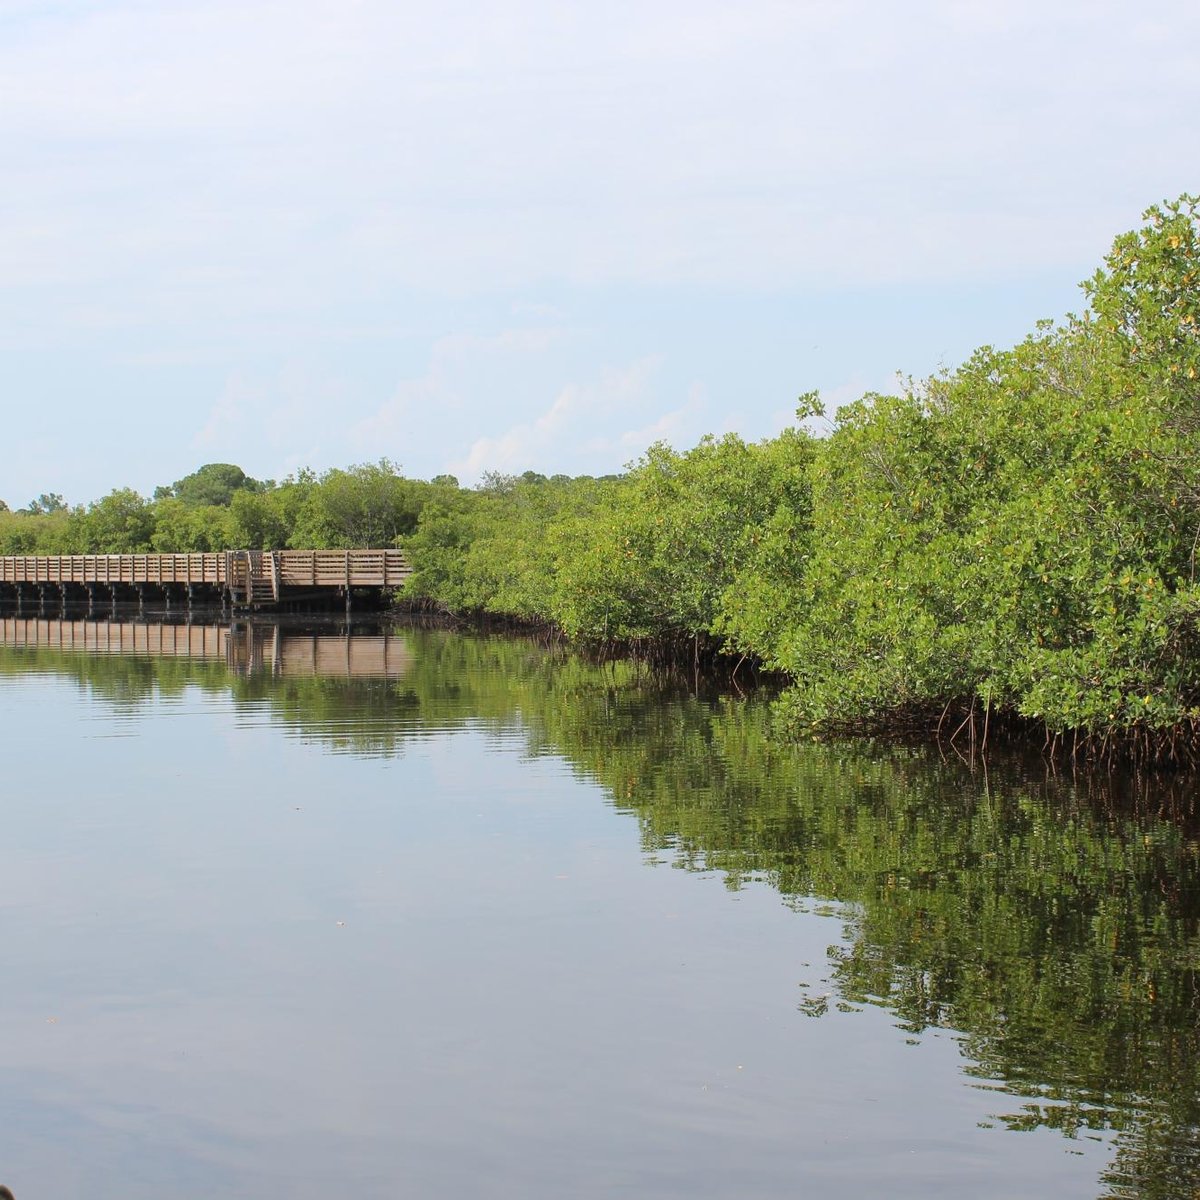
(675, 551)
(1011, 541)
(220, 506)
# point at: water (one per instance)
(290, 913)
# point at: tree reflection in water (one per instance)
(1052, 923)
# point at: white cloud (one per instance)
(274, 424)
(671, 426)
(456, 364)
(229, 416)
(570, 432)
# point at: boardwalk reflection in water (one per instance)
(246, 647)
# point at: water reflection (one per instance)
(1052, 924)
(360, 651)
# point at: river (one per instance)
(312, 911)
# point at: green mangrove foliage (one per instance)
(219, 507)
(1055, 925)
(676, 550)
(489, 550)
(1020, 535)
(684, 539)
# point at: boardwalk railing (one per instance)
(114, 568)
(247, 576)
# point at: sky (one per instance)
(476, 237)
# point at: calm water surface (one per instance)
(290, 913)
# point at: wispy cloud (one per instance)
(457, 364)
(228, 419)
(273, 424)
(571, 431)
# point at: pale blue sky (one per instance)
(471, 236)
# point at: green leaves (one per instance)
(1021, 531)
(666, 553)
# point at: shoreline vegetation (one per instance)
(1005, 548)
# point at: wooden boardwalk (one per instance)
(240, 578)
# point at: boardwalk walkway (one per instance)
(238, 578)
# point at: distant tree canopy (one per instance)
(211, 484)
(46, 503)
(218, 506)
(121, 523)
